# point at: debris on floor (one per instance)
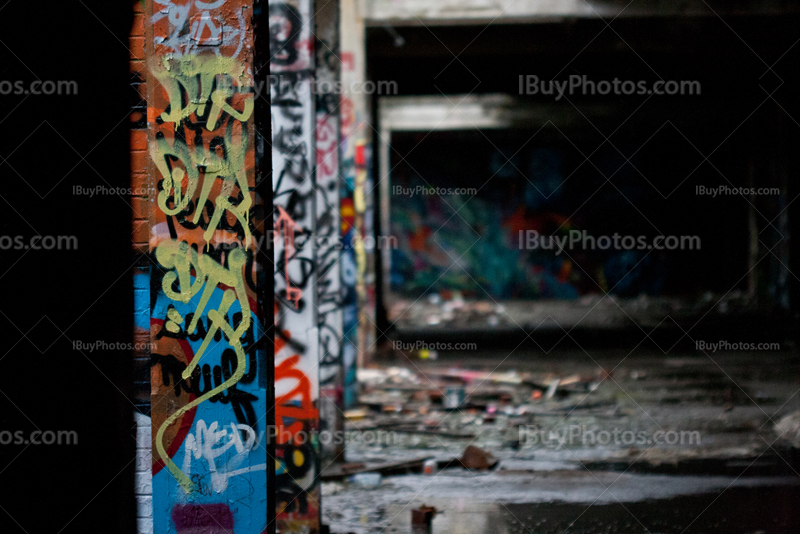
(363, 474)
(450, 311)
(461, 434)
(477, 459)
(422, 519)
(788, 427)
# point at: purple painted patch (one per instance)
(205, 518)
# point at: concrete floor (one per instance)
(718, 465)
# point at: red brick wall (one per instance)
(139, 199)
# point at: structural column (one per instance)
(296, 274)
(329, 225)
(358, 275)
(209, 376)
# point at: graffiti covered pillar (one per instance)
(358, 272)
(209, 377)
(329, 222)
(297, 354)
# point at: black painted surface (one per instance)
(50, 298)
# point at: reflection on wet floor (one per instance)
(762, 509)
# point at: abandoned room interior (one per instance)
(533, 267)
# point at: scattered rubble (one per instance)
(353, 471)
(788, 428)
(439, 407)
(366, 480)
(477, 459)
(509, 431)
(449, 311)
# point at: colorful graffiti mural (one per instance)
(297, 335)
(208, 374)
(357, 268)
(469, 241)
(349, 268)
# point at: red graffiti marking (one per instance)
(326, 148)
(348, 214)
(361, 155)
(288, 227)
(348, 61)
(418, 241)
(286, 407)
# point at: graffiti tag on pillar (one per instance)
(296, 265)
(208, 394)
